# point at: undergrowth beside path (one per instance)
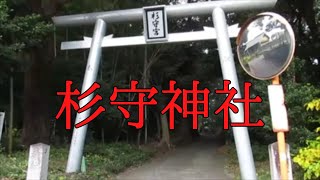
(102, 161)
(261, 157)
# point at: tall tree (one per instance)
(37, 87)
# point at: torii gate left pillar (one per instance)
(79, 134)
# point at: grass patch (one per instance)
(102, 161)
(261, 157)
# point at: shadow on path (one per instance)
(199, 160)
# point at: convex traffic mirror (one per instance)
(265, 45)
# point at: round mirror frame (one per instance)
(291, 35)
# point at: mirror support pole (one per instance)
(241, 135)
(79, 134)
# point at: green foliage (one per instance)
(260, 152)
(300, 120)
(314, 105)
(13, 167)
(4, 10)
(29, 30)
(308, 157)
(298, 136)
(19, 32)
(102, 161)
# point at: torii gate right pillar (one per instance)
(241, 136)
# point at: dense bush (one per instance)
(301, 122)
(308, 157)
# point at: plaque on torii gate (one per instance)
(221, 32)
(155, 23)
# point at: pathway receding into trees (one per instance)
(199, 160)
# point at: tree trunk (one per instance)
(11, 115)
(165, 129)
(36, 126)
(184, 129)
(158, 125)
(165, 138)
(102, 135)
(145, 82)
(139, 137)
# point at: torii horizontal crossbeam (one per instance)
(181, 10)
(108, 41)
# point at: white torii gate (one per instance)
(221, 32)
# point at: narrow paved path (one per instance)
(198, 161)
